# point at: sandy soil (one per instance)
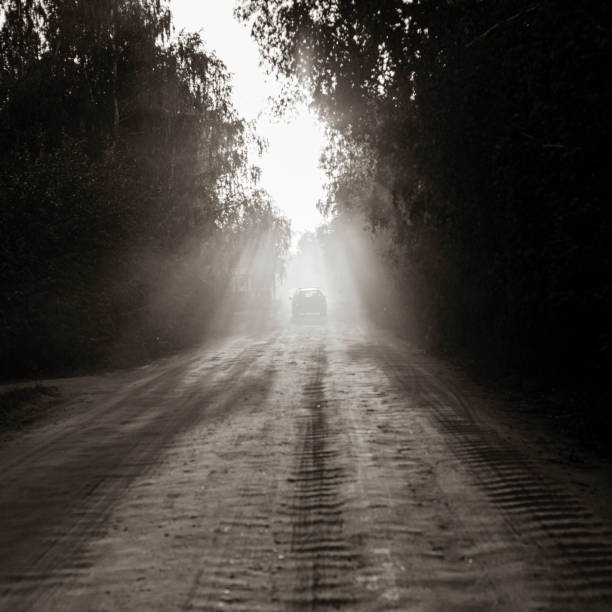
(317, 465)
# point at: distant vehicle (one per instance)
(309, 301)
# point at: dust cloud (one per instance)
(348, 263)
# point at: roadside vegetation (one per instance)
(24, 405)
(126, 188)
(471, 139)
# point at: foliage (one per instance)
(125, 183)
(474, 135)
(23, 405)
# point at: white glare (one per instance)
(290, 171)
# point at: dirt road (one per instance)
(315, 466)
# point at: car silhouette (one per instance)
(308, 301)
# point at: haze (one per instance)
(214, 396)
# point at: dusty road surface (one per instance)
(318, 465)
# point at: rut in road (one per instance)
(75, 478)
(320, 469)
(573, 547)
(321, 557)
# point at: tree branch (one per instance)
(498, 25)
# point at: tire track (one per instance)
(147, 385)
(321, 558)
(76, 484)
(418, 551)
(239, 556)
(574, 546)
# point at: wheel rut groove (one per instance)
(313, 471)
(541, 513)
(79, 500)
(321, 557)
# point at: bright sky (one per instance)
(290, 171)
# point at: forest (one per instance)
(405, 407)
(127, 192)
(467, 149)
(470, 140)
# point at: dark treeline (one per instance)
(126, 190)
(473, 137)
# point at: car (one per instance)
(308, 301)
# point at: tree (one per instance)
(125, 179)
(482, 127)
